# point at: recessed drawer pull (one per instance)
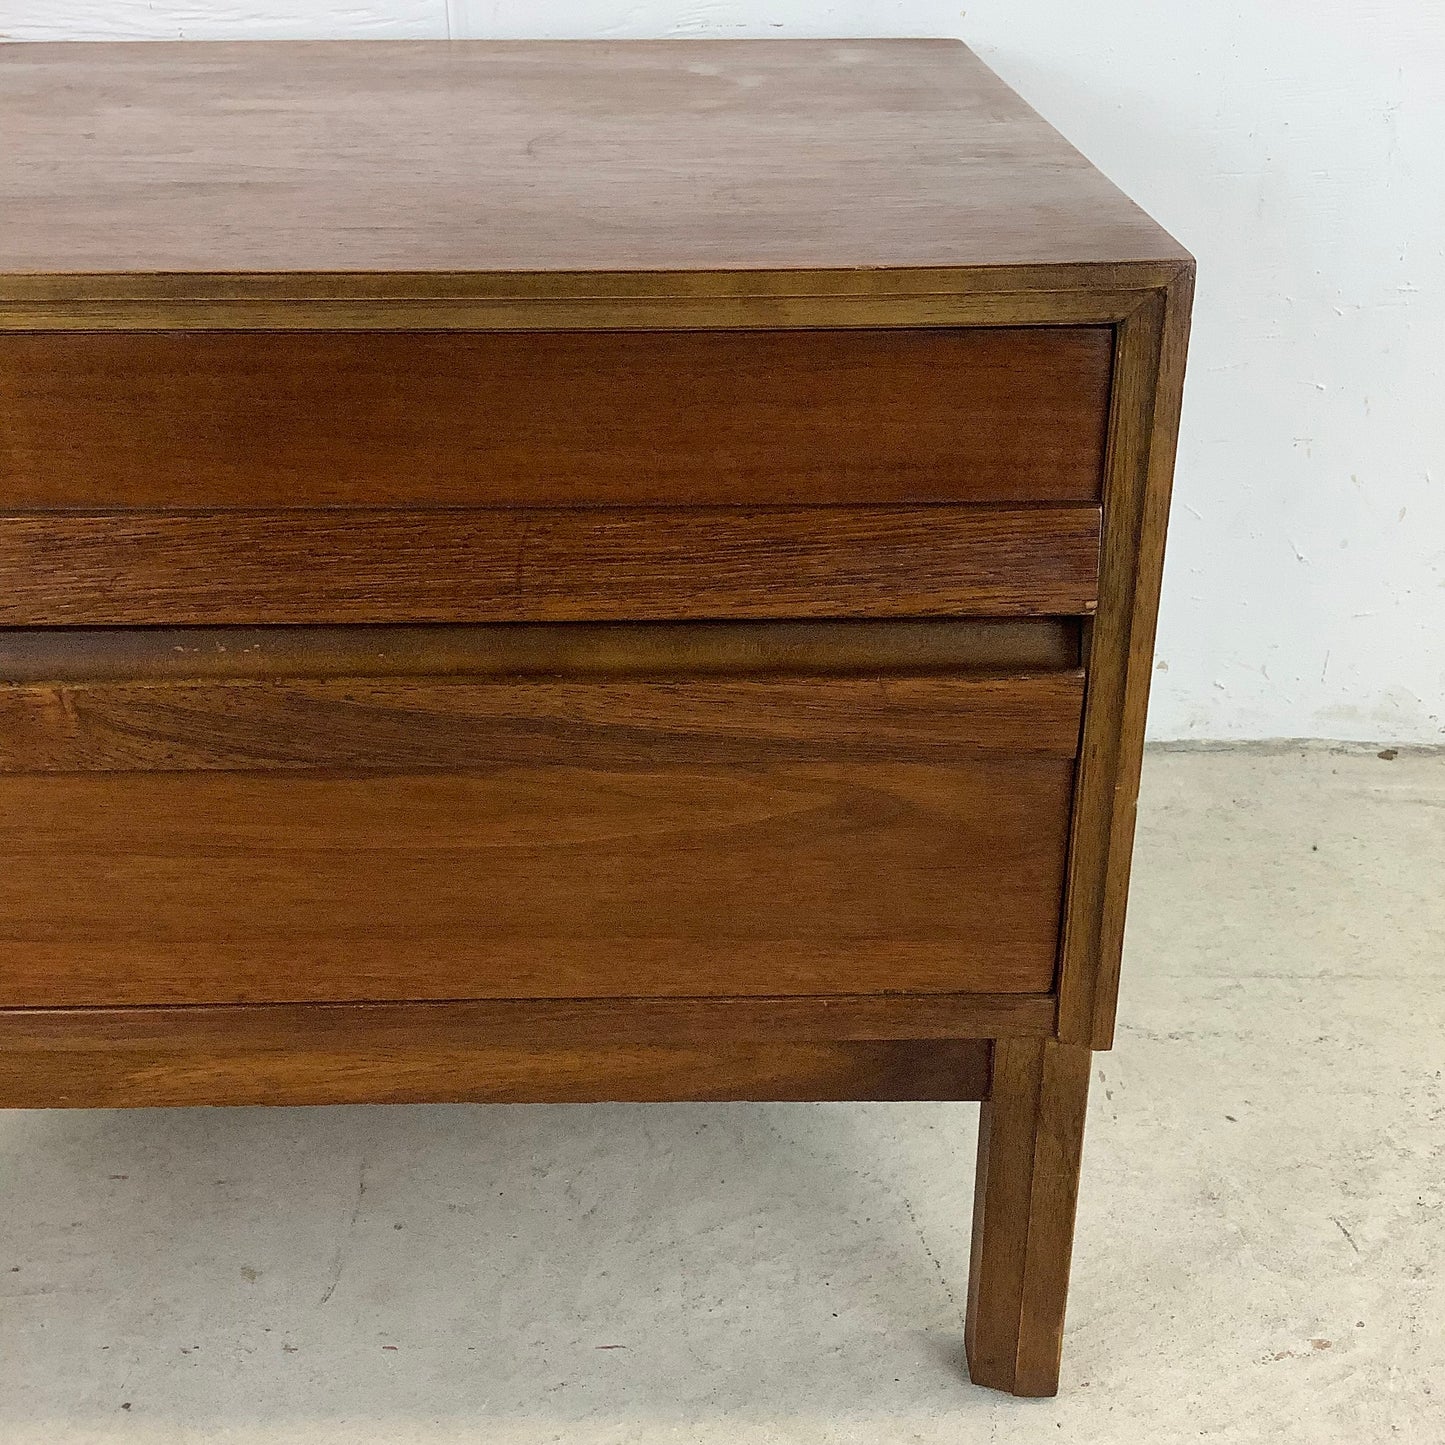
(520, 649)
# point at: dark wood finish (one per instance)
(329, 566)
(282, 419)
(519, 649)
(401, 723)
(1031, 1135)
(539, 156)
(811, 877)
(102, 1058)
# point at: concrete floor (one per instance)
(1261, 1251)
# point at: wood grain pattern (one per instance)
(1030, 1146)
(367, 565)
(104, 1058)
(519, 649)
(256, 419)
(596, 156)
(533, 882)
(485, 726)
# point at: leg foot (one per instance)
(1031, 1134)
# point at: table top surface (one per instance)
(668, 156)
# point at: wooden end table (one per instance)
(577, 571)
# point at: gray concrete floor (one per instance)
(1261, 1251)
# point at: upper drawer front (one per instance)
(282, 419)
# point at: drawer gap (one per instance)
(82, 655)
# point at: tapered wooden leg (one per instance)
(1030, 1140)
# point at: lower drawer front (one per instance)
(290, 840)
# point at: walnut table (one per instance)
(577, 571)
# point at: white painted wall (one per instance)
(1298, 148)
